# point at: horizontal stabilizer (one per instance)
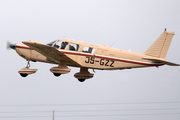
(160, 60)
(171, 64)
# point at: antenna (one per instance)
(114, 43)
(129, 50)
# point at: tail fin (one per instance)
(160, 47)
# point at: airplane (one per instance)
(65, 52)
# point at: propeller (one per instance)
(10, 45)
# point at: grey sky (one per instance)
(135, 24)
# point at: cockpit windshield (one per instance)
(58, 44)
(51, 43)
(61, 45)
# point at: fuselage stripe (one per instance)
(112, 58)
(20, 46)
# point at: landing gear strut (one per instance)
(28, 65)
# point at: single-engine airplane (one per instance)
(65, 52)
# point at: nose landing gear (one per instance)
(24, 72)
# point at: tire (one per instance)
(81, 80)
(57, 74)
(23, 74)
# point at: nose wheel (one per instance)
(24, 72)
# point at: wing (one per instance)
(51, 53)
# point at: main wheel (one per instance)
(57, 74)
(81, 80)
(23, 74)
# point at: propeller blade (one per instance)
(10, 45)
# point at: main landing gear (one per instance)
(61, 69)
(24, 72)
(83, 74)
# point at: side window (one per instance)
(61, 45)
(73, 47)
(88, 50)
